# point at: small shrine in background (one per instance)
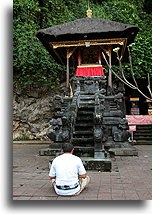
(79, 44)
(134, 106)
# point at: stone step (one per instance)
(84, 151)
(81, 112)
(102, 165)
(84, 118)
(90, 163)
(142, 131)
(78, 150)
(86, 144)
(113, 103)
(113, 106)
(110, 113)
(84, 147)
(123, 152)
(83, 128)
(144, 127)
(83, 139)
(110, 120)
(143, 139)
(86, 106)
(89, 108)
(144, 142)
(142, 134)
(113, 109)
(89, 141)
(86, 98)
(86, 102)
(83, 132)
(84, 125)
(87, 95)
(82, 136)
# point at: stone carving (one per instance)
(92, 119)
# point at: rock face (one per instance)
(32, 110)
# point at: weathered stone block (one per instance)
(102, 165)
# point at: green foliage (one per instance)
(34, 65)
(131, 12)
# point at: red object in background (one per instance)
(139, 119)
(94, 70)
(132, 128)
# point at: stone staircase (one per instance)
(83, 140)
(83, 136)
(143, 134)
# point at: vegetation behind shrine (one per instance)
(34, 65)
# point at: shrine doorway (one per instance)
(134, 98)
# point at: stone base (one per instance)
(123, 152)
(55, 150)
(90, 163)
(50, 152)
(121, 149)
(103, 165)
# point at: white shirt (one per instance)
(66, 169)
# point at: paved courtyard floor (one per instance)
(130, 178)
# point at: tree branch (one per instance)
(124, 81)
(132, 73)
(148, 86)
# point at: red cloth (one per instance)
(89, 71)
(139, 119)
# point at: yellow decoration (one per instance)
(116, 49)
(70, 52)
(71, 92)
(134, 99)
(88, 65)
(89, 13)
(149, 111)
(114, 41)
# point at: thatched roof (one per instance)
(90, 28)
(87, 26)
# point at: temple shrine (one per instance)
(92, 112)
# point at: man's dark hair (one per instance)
(67, 147)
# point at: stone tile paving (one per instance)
(130, 178)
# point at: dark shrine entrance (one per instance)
(134, 98)
(90, 55)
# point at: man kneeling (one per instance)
(68, 173)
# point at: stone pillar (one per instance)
(110, 72)
(68, 55)
(67, 73)
(99, 57)
(79, 57)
